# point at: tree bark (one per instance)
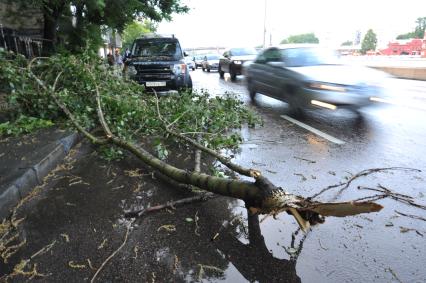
(51, 15)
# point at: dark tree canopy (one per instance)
(301, 38)
(75, 22)
(369, 42)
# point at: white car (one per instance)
(189, 63)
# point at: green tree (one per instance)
(407, 35)
(347, 43)
(420, 29)
(134, 30)
(369, 42)
(418, 32)
(77, 21)
(301, 38)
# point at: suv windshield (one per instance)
(157, 47)
(243, 51)
(299, 57)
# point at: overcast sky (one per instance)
(228, 23)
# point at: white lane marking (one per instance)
(313, 130)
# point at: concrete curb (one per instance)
(411, 73)
(32, 177)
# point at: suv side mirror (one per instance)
(185, 54)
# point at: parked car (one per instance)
(158, 63)
(210, 62)
(190, 63)
(233, 59)
(310, 76)
(198, 61)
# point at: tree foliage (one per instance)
(347, 43)
(74, 22)
(301, 38)
(134, 30)
(369, 42)
(418, 32)
(131, 113)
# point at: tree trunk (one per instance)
(51, 15)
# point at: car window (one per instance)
(269, 55)
(298, 57)
(272, 55)
(157, 48)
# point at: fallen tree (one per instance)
(82, 89)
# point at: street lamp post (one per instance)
(264, 26)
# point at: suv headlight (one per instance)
(237, 62)
(326, 86)
(179, 69)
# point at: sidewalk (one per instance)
(26, 160)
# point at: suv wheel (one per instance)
(208, 70)
(233, 75)
(203, 69)
(221, 73)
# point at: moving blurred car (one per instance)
(210, 62)
(198, 61)
(190, 63)
(233, 59)
(310, 76)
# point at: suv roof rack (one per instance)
(156, 35)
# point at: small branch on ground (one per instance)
(363, 173)
(112, 255)
(304, 159)
(411, 216)
(387, 193)
(170, 204)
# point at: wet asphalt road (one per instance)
(356, 249)
(80, 207)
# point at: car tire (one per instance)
(251, 90)
(296, 107)
(233, 75)
(221, 73)
(193, 68)
(189, 85)
(203, 69)
(208, 70)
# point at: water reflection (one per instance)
(253, 260)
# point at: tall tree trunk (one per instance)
(51, 15)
